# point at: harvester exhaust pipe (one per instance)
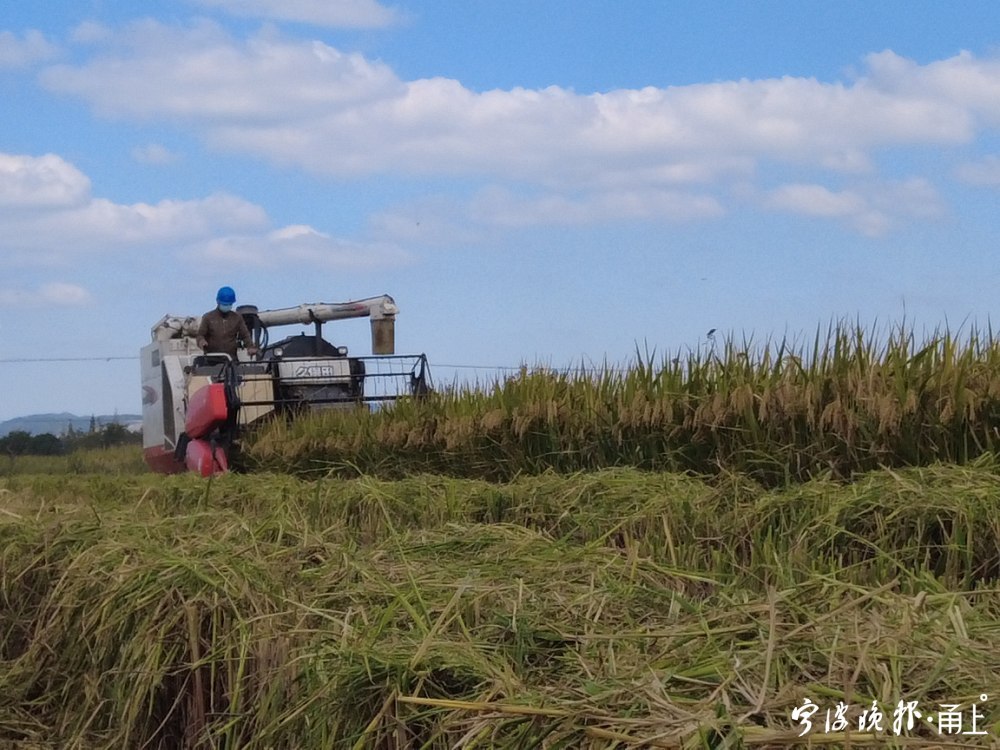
(384, 335)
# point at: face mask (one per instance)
(225, 308)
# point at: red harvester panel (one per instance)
(162, 461)
(206, 410)
(199, 458)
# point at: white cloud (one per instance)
(629, 153)
(54, 221)
(19, 52)
(310, 105)
(986, 171)
(334, 13)
(211, 79)
(46, 207)
(56, 293)
(816, 200)
(61, 293)
(165, 221)
(296, 248)
(101, 225)
(154, 154)
(970, 86)
(870, 208)
(41, 182)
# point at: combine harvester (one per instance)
(195, 404)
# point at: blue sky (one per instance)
(542, 182)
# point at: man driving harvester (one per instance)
(222, 330)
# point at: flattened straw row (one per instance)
(282, 613)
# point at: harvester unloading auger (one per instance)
(195, 405)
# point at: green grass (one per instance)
(611, 609)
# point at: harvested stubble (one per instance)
(778, 412)
(602, 610)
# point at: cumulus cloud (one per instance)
(296, 247)
(209, 78)
(57, 293)
(816, 200)
(962, 86)
(30, 48)
(309, 104)
(102, 225)
(650, 152)
(166, 220)
(52, 219)
(819, 201)
(342, 13)
(871, 208)
(41, 182)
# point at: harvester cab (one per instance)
(196, 405)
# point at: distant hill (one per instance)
(57, 424)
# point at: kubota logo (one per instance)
(315, 371)
(148, 395)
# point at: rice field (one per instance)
(778, 412)
(605, 609)
(683, 555)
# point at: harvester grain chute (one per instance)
(196, 405)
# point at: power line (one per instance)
(496, 368)
(518, 368)
(475, 367)
(16, 360)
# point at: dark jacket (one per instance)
(221, 332)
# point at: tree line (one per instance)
(22, 443)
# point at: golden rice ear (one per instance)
(845, 401)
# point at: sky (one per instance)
(555, 183)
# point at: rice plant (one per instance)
(509, 566)
(611, 609)
(850, 401)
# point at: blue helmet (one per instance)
(226, 296)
